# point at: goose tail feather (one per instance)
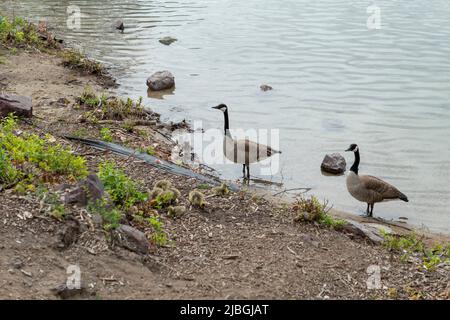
(403, 197)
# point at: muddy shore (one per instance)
(241, 245)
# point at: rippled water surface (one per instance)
(335, 82)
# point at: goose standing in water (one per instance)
(369, 189)
(243, 151)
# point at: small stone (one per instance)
(132, 239)
(265, 87)
(167, 40)
(161, 80)
(119, 25)
(334, 163)
(18, 263)
(27, 215)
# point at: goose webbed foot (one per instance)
(369, 211)
(246, 177)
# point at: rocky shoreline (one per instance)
(216, 243)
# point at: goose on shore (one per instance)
(369, 189)
(243, 151)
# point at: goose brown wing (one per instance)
(381, 188)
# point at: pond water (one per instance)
(335, 82)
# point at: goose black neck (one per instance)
(355, 165)
(227, 124)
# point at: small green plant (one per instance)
(111, 216)
(411, 244)
(149, 150)
(123, 191)
(88, 98)
(203, 186)
(408, 243)
(111, 108)
(310, 209)
(106, 135)
(8, 172)
(19, 33)
(57, 209)
(77, 60)
(27, 155)
(159, 237)
(80, 133)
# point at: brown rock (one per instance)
(265, 87)
(334, 163)
(132, 239)
(161, 80)
(89, 190)
(21, 106)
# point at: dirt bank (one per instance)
(240, 246)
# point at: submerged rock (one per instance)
(265, 87)
(21, 106)
(334, 163)
(119, 25)
(161, 80)
(167, 40)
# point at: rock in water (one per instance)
(167, 40)
(21, 106)
(334, 163)
(161, 80)
(265, 87)
(132, 239)
(119, 25)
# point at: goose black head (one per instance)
(221, 107)
(353, 147)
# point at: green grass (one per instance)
(410, 244)
(29, 156)
(77, 60)
(312, 210)
(105, 134)
(203, 186)
(113, 108)
(123, 191)
(19, 33)
(159, 236)
(57, 209)
(111, 216)
(149, 150)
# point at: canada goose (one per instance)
(369, 189)
(243, 151)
